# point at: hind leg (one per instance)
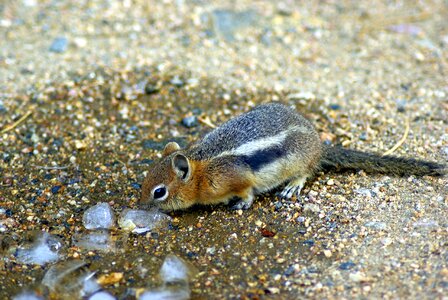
(293, 187)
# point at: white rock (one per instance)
(376, 225)
(426, 224)
(365, 192)
(311, 207)
(302, 95)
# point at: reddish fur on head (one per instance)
(173, 173)
(188, 182)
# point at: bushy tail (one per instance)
(340, 158)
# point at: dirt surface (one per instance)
(90, 93)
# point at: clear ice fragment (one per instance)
(175, 274)
(166, 294)
(98, 240)
(71, 279)
(99, 216)
(174, 269)
(102, 295)
(27, 296)
(44, 250)
(140, 221)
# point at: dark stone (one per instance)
(58, 142)
(191, 121)
(309, 243)
(151, 89)
(55, 189)
(196, 111)
(73, 181)
(346, 265)
(48, 176)
(289, 271)
(335, 106)
(176, 81)
(278, 205)
(191, 254)
(136, 185)
(401, 105)
(6, 157)
(146, 161)
(152, 145)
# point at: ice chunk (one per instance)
(99, 216)
(71, 279)
(174, 269)
(166, 294)
(102, 295)
(44, 250)
(98, 240)
(175, 274)
(27, 296)
(140, 221)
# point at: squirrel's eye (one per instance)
(160, 192)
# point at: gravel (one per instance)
(80, 124)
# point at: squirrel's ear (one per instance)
(170, 148)
(181, 166)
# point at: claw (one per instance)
(241, 205)
(293, 188)
(244, 204)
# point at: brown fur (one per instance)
(253, 153)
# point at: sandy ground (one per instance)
(93, 90)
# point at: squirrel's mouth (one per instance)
(172, 205)
(146, 205)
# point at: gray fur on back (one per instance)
(262, 122)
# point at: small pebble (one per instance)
(177, 81)
(151, 89)
(59, 45)
(346, 265)
(376, 225)
(55, 189)
(190, 121)
(335, 106)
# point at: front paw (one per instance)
(241, 204)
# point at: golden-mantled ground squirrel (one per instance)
(256, 152)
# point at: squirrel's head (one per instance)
(168, 184)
